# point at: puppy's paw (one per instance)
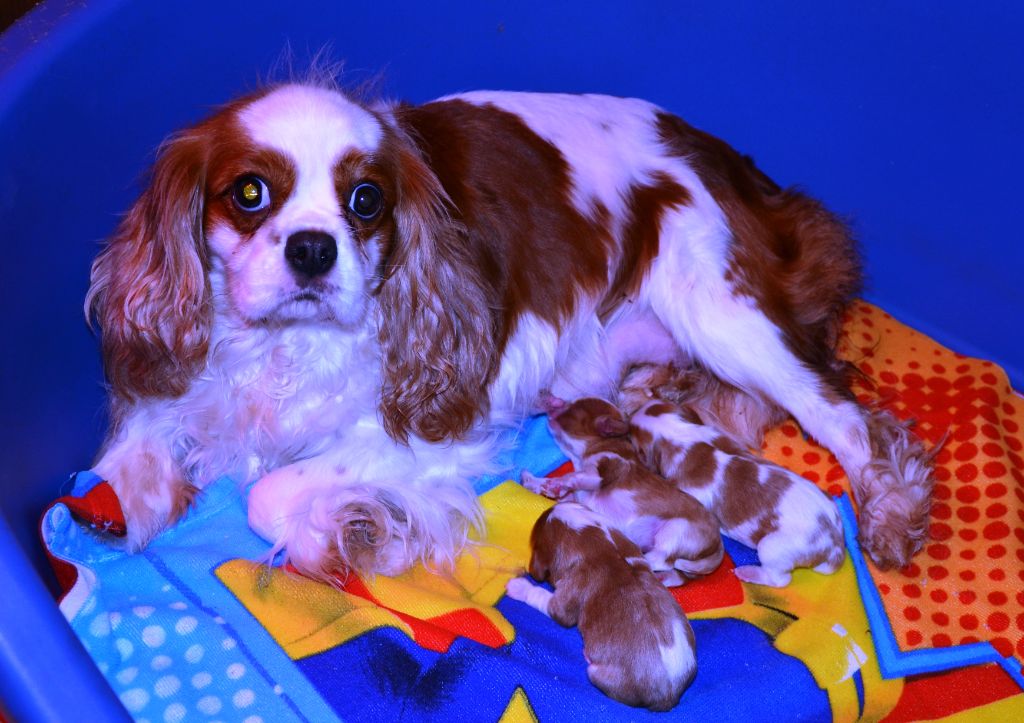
(759, 575)
(549, 487)
(518, 588)
(670, 578)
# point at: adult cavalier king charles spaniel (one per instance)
(345, 303)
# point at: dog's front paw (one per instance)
(151, 488)
(327, 534)
(332, 527)
(892, 530)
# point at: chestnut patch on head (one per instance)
(365, 186)
(240, 173)
(660, 408)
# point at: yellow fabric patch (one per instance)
(306, 617)
(819, 619)
(519, 710)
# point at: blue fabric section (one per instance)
(173, 642)
(897, 663)
(530, 447)
(858, 682)
(170, 639)
(741, 677)
(740, 554)
(1013, 668)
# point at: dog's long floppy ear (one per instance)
(436, 329)
(149, 293)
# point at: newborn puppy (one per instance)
(636, 639)
(674, 531)
(785, 517)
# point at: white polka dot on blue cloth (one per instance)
(194, 653)
(135, 699)
(100, 626)
(209, 705)
(125, 648)
(243, 698)
(174, 713)
(167, 686)
(186, 625)
(153, 636)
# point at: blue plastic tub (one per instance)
(907, 119)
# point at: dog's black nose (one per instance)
(311, 253)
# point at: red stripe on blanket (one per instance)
(100, 509)
(927, 697)
(435, 633)
(720, 589)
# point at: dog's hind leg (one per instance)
(733, 338)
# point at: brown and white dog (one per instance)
(674, 531)
(342, 302)
(785, 517)
(638, 644)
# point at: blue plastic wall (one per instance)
(905, 117)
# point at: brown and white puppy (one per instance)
(677, 535)
(785, 517)
(636, 639)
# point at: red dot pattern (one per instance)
(967, 584)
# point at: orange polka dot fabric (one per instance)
(967, 584)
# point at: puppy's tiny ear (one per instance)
(609, 426)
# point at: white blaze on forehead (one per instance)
(314, 127)
(310, 124)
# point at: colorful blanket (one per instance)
(196, 628)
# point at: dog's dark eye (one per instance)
(366, 201)
(251, 193)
